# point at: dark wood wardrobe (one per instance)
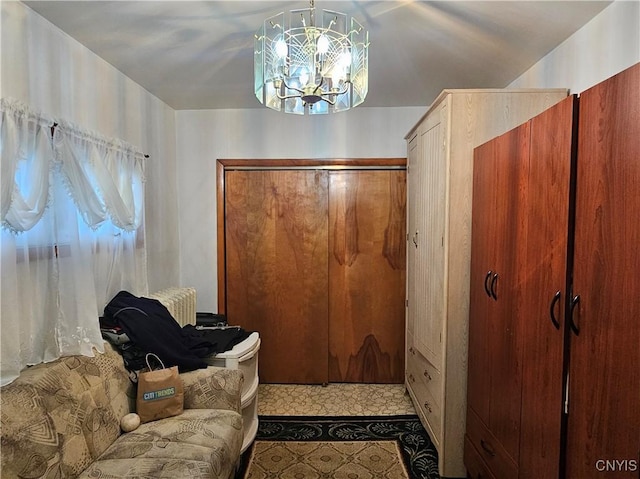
(314, 259)
(554, 341)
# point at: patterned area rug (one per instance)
(299, 447)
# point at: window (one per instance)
(72, 235)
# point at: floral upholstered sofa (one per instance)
(62, 420)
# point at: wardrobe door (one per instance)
(505, 323)
(367, 248)
(432, 223)
(495, 320)
(543, 289)
(604, 380)
(276, 268)
(412, 271)
(482, 269)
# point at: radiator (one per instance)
(181, 303)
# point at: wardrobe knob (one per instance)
(572, 323)
(492, 288)
(486, 283)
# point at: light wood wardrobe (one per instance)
(439, 191)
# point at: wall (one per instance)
(50, 71)
(203, 136)
(606, 45)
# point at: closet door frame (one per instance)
(228, 164)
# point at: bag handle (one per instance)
(146, 358)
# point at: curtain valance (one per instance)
(26, 159)
(104, 176)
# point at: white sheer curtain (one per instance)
(29, 274)
(72, 235)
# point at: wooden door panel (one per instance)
(413, 203)
(605, 356)
(431, 252)
(276, 261)
(367, 255)
(546, 259)
(505, 317)
(482, 267)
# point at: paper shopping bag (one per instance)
(160, 392)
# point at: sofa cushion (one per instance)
(199, 443)
(58, 417)
(213, 388)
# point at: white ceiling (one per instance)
(199, 54)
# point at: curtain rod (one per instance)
(56, 124)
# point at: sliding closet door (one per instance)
(604, 380)
(276, 268)
(367, 247)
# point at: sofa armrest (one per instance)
(213, 388)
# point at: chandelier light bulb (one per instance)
(323, 44)
(281, 48)
(337, 75)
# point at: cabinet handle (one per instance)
(427, 375)
(552, 314)
(412, 351)
(494, 280)
(415, 239)
(427, 406)
(411, 378)
(572, 323)
(488, 449)
(486, 283)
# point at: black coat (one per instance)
(151, 328)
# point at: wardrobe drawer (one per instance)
(431, 409)
(490, 450)
(413, 368)
(426, 404)
(432, 380)
(422, 370)
(476, 467)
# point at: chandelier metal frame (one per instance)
(305, 66)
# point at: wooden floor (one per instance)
(334, 400)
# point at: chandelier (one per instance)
(304, 64)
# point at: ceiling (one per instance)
(199, 54)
